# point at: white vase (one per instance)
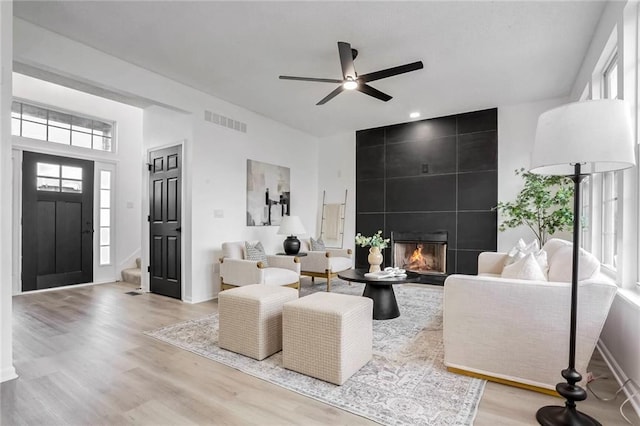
(375, 259)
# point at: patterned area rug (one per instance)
(405, 383)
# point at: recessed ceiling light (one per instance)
(414, 115)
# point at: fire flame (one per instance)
(419, 262)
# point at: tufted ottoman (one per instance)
(251, 319)
(327, 335)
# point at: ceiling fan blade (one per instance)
(389, 72)
(365, 88)
(346, 60)
(331, 95)
(321, 80)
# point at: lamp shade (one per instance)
(596, 134)
(291, 225)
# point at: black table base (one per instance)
(385, 305)
(380, 291)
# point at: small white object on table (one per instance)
(388, 272)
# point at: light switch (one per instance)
(218, 213)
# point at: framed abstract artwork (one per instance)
(268, 193)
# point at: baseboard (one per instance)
(204, 299)
(538, 389)
(7, 374)
(619, 375)
(64, 287)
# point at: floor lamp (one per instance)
(577, 140)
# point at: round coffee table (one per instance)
(380, 291)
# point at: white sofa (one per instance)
(516, 331)
(324, 263)
(237, 271)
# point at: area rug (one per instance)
(405, 383)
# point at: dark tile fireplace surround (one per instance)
(430, 177)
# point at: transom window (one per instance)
(610, 76)
(31, 121)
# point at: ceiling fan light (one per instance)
(350, 84)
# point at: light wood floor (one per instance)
(82, 359)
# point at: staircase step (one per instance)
(132, 275)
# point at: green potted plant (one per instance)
(544, 205)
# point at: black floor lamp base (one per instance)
(564, 416)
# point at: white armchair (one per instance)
(324, 264)
(516, 331)
(236, 270)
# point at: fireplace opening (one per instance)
(423, 253)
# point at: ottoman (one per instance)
(327, 335)
(251, 319)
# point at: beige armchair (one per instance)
(236, 270)
(324, 264)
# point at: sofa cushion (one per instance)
(256, 253)
(561, 263)
(526, 268)
(553, 245)
(280, 276)
(339, 264)
(317, 245)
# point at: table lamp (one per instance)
(291, 226)
(576, 140)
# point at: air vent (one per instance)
(223, 121)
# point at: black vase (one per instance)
(291, 245)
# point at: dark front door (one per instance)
(165, 190)
(57, 221)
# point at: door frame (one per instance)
(17, 151)
(185, 220)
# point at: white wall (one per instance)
(127, 159)
(611, 16)
(337, 173)
(7, 372)
(620, 343)
(516, 133)
(215, 157)
(219, 183)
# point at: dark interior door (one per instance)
(57, 221)
(165, 191)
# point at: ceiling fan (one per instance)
(351, 80)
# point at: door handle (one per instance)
(179, 229)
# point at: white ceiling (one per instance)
(476, 54)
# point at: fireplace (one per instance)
(421, 252)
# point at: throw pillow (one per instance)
(522, 249)
(317, 245)
(561, 265)
(526, 268)
(256, 253)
